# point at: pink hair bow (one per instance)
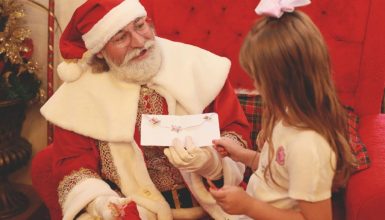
(276, 8)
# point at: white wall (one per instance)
(35, 127)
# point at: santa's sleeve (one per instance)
(233, 124)
(232, 119)
(75, 169)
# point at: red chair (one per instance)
(355, 33)
(42, 181)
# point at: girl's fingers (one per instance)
(218, 141)
(222, 151)
(217, 194)
(212, 185)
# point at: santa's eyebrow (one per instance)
(119, 32)
(135, 21)
(139, 19)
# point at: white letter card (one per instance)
(160, 130)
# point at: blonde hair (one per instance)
(289, 61)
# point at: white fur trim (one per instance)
(202, 194)
(162, 210)
(232, 171)
(85, 216)
(193, 76)
(111, 23)
(145, 214)
(232, 174)
(104, 108)
(188, 213)
(95, 105)
(135, 180)
(82, 194)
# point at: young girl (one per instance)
(305, 151)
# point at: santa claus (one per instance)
(115, 70)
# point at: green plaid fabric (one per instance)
(252, 106)
(358, 148)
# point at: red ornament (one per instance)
(28, 44)
(131, 212)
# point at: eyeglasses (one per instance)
(124, 37)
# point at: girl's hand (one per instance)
(228, 198)
(228, 147)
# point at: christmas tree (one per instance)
(18, 72)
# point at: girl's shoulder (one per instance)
(293, 137)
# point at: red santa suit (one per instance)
(97, 149)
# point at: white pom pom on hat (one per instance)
(92, 25)
(69, 71)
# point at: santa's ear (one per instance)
(99, 55)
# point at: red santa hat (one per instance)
(92, 25)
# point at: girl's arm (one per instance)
(228, 198)
(228, 147)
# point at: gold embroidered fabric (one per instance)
(236, 137)
(68, 182)
(163, 174)
(150, 102)
(108, 170)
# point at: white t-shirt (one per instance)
(303, 165)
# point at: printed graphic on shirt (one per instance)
(280, 156)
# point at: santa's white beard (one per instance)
(140, 71)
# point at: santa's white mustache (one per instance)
(136, 52)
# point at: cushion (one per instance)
(43, 181)
(252, 106)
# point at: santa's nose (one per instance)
(137, 40)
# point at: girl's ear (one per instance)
(99, 55)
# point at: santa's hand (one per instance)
(189, 158)
(108, 207)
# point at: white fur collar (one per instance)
(192, 75)
(104, 108)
